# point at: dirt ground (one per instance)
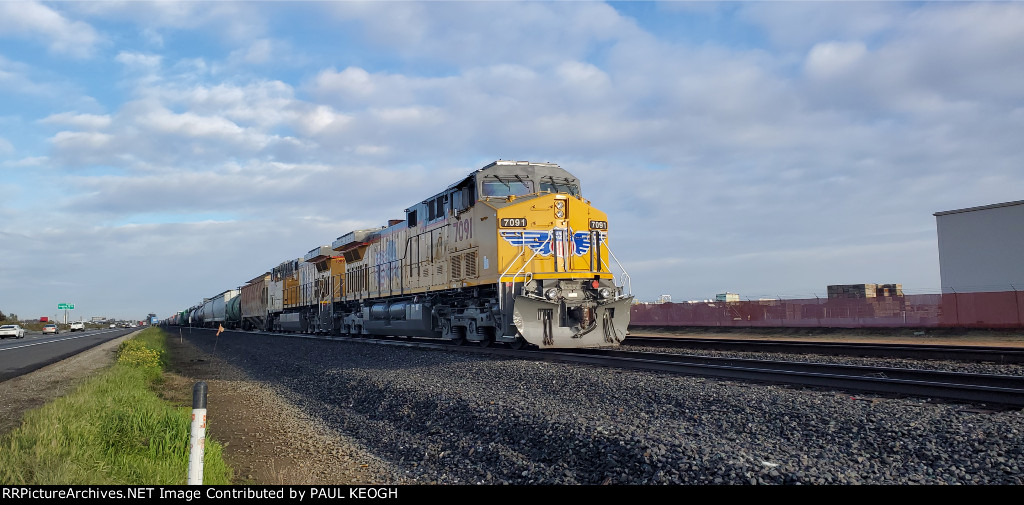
(266, 440)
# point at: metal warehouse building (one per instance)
(981, 264)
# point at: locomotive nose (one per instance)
(551, 323)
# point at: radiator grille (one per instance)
(471, 264)
(456, 266)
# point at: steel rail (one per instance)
(925, 385)
(1003, 355)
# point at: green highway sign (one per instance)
(66, 306)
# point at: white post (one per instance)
(197, 444)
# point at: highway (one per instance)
(21, 356)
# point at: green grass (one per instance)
(114, 429)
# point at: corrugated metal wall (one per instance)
(971, 310)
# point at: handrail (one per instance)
(501, 287)
(529, 275)
(500, 277)
(624, 278)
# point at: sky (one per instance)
(153, 154)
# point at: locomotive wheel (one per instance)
(488, 334)
(460, 335)
(519, 343)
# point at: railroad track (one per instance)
(1003, 391)
(989, 389)
(1002, 355)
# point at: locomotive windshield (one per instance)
(502, 186)
(559, 187)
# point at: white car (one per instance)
(12, 330)
(77, 326)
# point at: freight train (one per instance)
(512, 253)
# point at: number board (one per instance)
(598, 225)
(513, 222)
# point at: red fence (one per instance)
(974, 310)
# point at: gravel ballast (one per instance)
(447, 417)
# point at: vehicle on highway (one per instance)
(51, 328)
(112, 325)
(12, 330)
(77, 326)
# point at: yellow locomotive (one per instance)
(512, 253)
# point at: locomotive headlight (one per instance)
(604, 293)
(552, 293)
(559, 214)
(559, 204)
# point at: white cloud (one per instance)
(261, 103)
(835, 60)
(40, 22)
(231, 21)
(799, 25)
(84, 121)
(481, 33)
(412, 117)
(189, 124)
(266, 51)
(353, 81)
(81, 141)
(320, 119)
(139, 61)
(32, 161)
(15, 79)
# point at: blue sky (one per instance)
(152, 154)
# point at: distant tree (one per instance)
(2, 316)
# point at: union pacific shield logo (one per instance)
(538, 241)
(541, 241)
